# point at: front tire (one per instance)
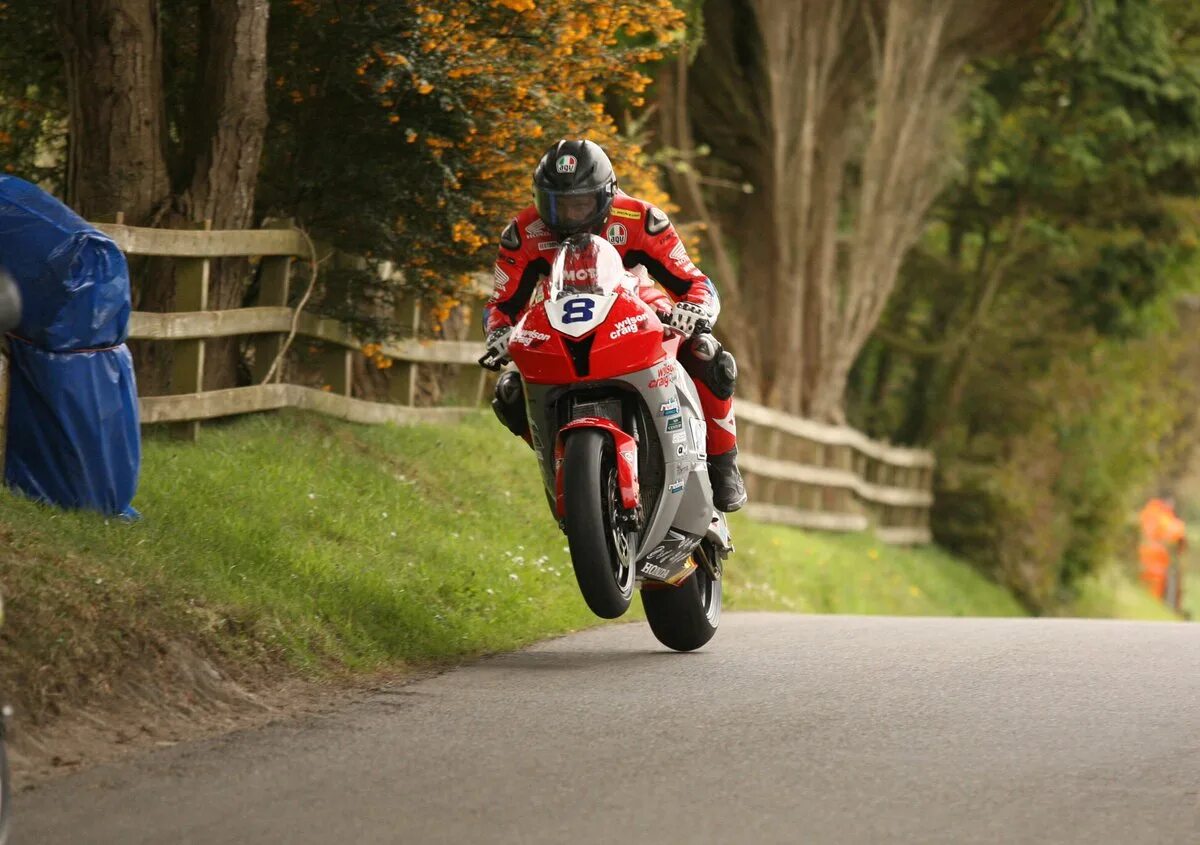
(600, 551)
(686, 617)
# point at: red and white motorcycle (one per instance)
(620, 437)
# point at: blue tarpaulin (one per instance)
(73, 436)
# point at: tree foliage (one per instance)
(837, 114)
(409, 131)
(1032, 339)
(401, 131)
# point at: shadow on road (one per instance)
(568, 661)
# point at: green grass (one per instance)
(289, 540)
(1114, 594)
(779, 568)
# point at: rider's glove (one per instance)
(687, 317)
(497, 346)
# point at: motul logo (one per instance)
(584, 274)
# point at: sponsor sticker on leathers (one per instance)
(627, 214)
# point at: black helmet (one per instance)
(573, 187)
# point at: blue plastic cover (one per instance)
(73, 435)
(74, 280)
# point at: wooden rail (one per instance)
(798, 472)
(270, 321)
(832, 478)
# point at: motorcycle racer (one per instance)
(575, 191)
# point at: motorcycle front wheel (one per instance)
(686, 617)
(603, 553)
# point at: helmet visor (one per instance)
(568, 212)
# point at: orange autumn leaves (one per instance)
(409, 130)
(522, 73)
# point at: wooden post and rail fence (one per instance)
(798, 472)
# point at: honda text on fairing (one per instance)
(619, 435)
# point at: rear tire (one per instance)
(589, 475)
(686, 617)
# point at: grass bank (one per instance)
(290, 542)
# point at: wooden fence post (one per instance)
(187, 372)
(402, 386)
(472, 381)
(273, 289)
(337, 362)
(337, 369)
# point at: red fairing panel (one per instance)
(629, 339)
(626, 449)
(538, 351)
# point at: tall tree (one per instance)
(1032, 341)
(836, 112)
(126, 156)
(429, 117)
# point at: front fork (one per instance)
(625, 448)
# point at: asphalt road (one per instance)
(788, 729)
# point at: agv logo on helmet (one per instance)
(567, 164)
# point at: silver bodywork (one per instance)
(683, 513)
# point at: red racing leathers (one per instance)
(644, 236)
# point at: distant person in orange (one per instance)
(1163, 533)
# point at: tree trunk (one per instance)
(119, 136)
(675, 133)
(228, 147)
(116, 162)
(842, 128)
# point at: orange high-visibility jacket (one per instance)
(1161, 530)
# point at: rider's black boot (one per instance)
(729, 492)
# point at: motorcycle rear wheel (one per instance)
(601, 552)
(686, 617)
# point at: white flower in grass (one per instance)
(312, 495)
(490, 591)
(512, 576)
